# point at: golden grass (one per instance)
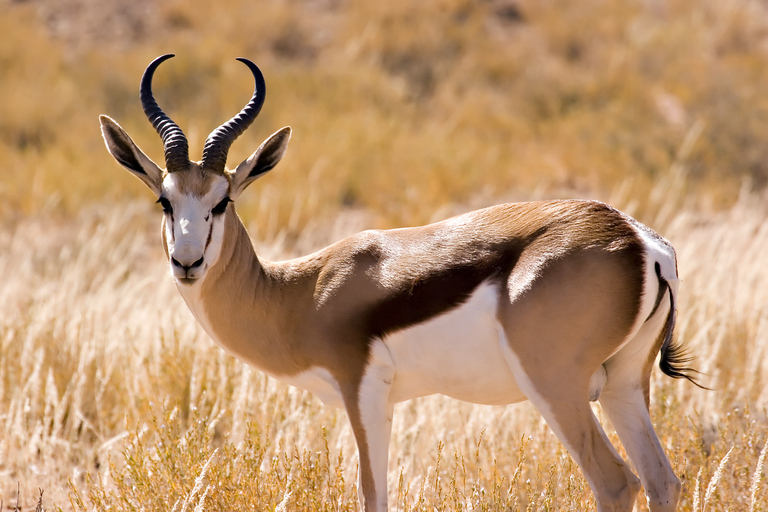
(400, 107)
(112, 398)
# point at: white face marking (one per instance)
(184, 224)
(194, 234)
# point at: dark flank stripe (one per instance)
(438, 292)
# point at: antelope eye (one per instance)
(166, 204)
(221, 207)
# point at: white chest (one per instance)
(193, 300)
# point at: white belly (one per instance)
(457, 354)
(319, 382)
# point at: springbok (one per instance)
(557, 302)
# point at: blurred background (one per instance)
(399, 108)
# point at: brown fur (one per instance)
(569, 275)
(196, 182)
(379, 281)
(581, 260)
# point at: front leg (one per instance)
(370, 413)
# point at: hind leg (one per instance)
(565, 407)
(562, 322)
(625, 401)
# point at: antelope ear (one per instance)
(261, 161)
(128, 154)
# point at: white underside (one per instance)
(458, 354)
(462, 354)
(319, 382)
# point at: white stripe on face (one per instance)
(194, 235)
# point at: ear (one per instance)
(262, 160)
(128, 154)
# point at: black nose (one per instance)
(194, 264)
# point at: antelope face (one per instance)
(194, 204)
(195, 195)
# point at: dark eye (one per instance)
(166, 204)
(221, 207)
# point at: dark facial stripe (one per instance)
(210, 235)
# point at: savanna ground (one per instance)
(111, 398)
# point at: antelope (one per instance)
(558, 302)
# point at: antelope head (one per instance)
(195, 196)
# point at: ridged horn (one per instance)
(218, 142)
(174, 141)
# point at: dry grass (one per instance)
(427, 105)
(112, 398)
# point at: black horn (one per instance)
(218, 142)
(174, 141)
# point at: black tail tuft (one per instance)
(674, 361)
(674, 357)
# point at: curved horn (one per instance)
(218, 142)
(174, 142)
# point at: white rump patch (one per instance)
(657, 250)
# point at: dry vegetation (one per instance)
(112, 398)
